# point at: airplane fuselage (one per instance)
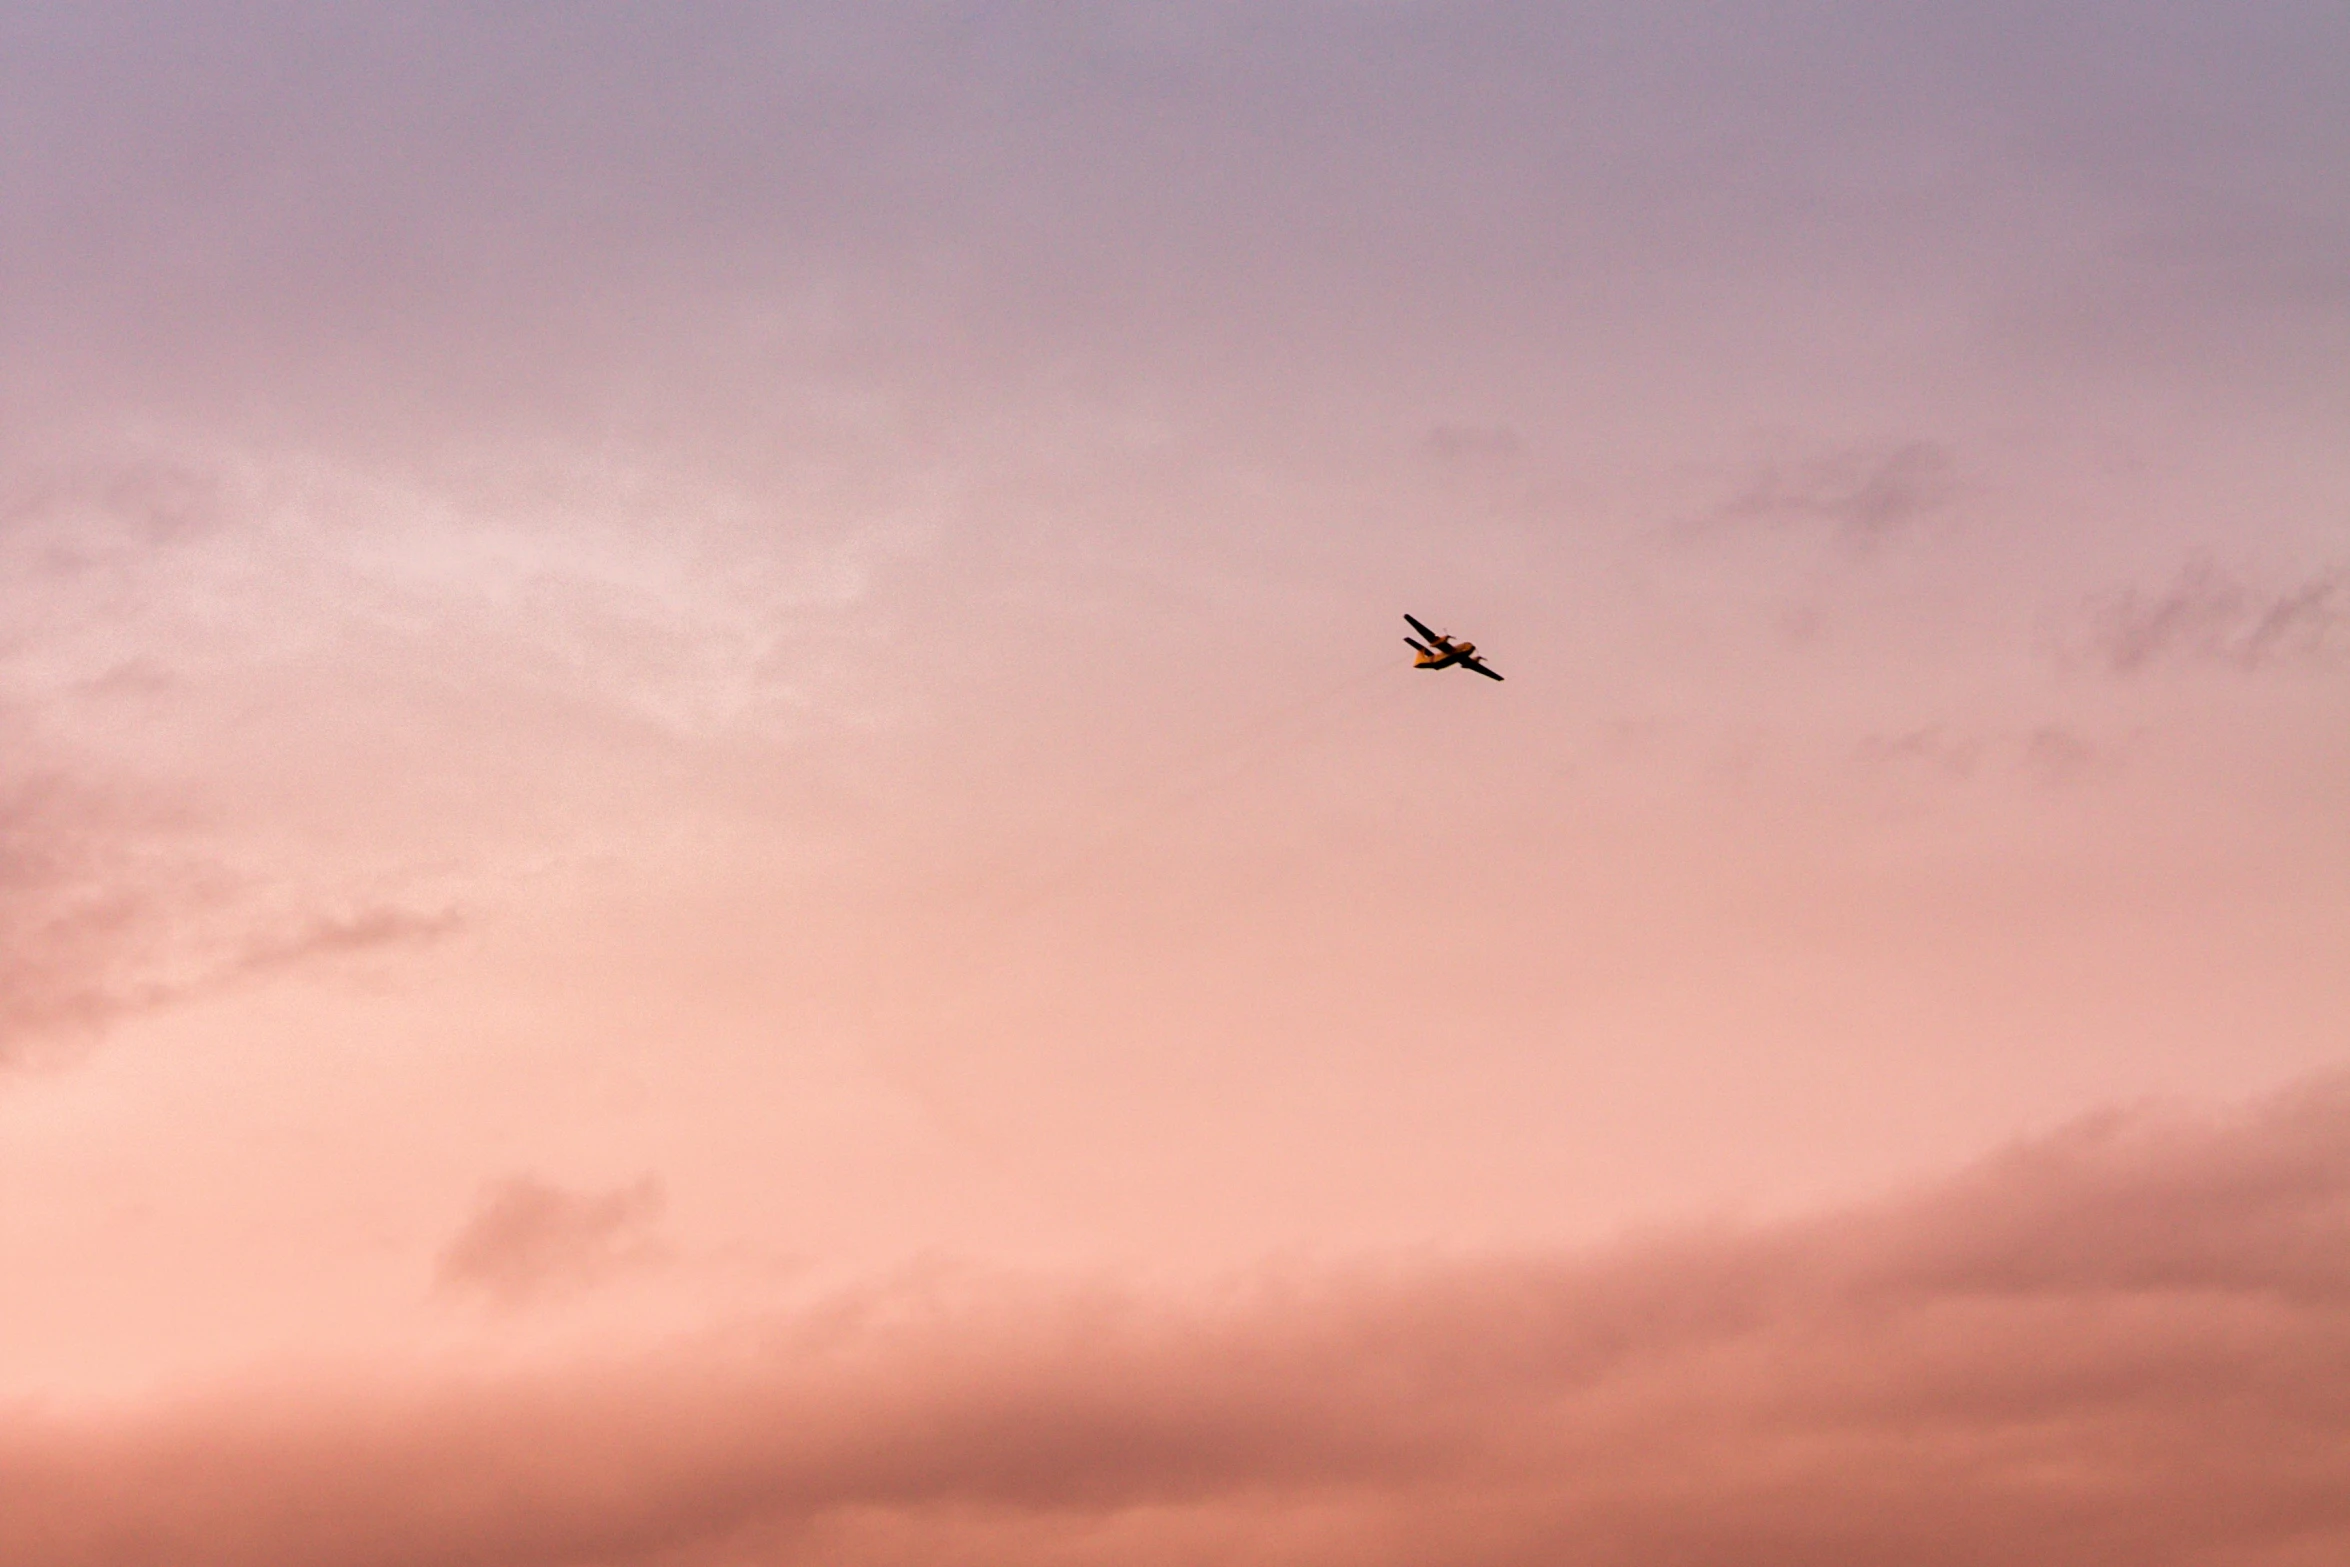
(1444, 653)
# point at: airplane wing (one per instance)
(1480, 668)
(1423, 630)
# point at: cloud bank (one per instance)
(2119, 1343)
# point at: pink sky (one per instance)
(707, 784)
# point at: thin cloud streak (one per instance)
(108, 910)
(2208, 615)
(2118, 1342)
(1864, 494)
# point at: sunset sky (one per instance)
(716, 847)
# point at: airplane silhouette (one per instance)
(1446, 653)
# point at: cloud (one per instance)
(2209, 615)
(338, 935)
(262, 710)
(527, 1238)
(2051, 755)
(2122, 1342)
(1930, 747)
(1866, 494)
(1485, 445)
(137, 503)
(2056, 755)
(82, 935)
(107, 909)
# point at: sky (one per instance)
(715, 845)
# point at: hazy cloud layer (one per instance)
(2122, 1342)
(261, 708)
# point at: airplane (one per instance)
(1446, 653)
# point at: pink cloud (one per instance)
(2207, 614)
(526, 1237)
(105, 912)
(2120, 1343)
(1866, 494)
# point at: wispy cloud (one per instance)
(1494, 445)
(82, 939)
(1863, 494)
(528, 1238)
(2121, 1342)
(2208, 614)
(341, 934)
(145, 502)
(194, 639)
(1930, 746)
(107, 911)
(2049, 754)
(2056, 755)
